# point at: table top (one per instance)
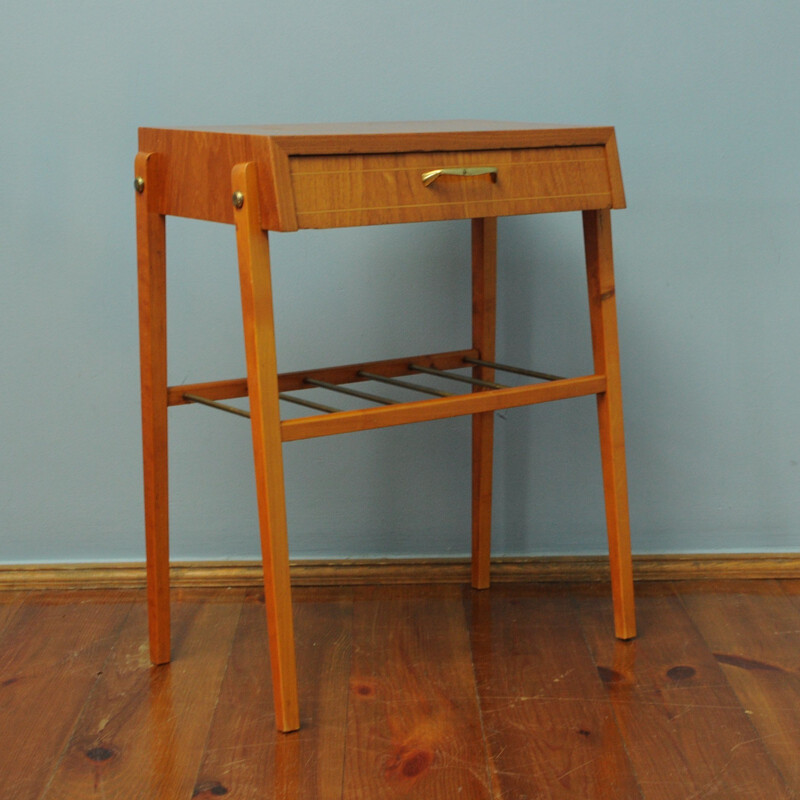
(343, 174)
(343, 137)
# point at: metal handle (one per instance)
(464, 172)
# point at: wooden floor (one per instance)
(440, 693)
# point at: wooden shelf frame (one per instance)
(399, 413)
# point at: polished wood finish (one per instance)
(413, 723)
(536, 676)
(142, 730)
(152, 268)
(243, 755)
(9, 603)
(419, 692)
(764, 672)
(262, 382)
(670, 697)
(441, 408)
(200, 163)
(484, 323)
(337, 191)
(603, 316)
(284, 178)
(53, 647)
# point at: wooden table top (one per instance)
(343, 174)
(314, 138)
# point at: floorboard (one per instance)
(143, 729)
(52, 652)
(422, 691)
(413, 726)
(10, 603)
(684, 728)
(548, 722)
(246, 757)
(752, 629)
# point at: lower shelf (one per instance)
(440, 408)
(484, 394)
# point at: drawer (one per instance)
(382, 188)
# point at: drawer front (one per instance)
(375, 189)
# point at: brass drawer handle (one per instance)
(429, 177)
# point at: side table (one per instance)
(286, 178)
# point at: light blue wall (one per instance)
(706, 101)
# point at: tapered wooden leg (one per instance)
(603, 313)
(262, 383)
(151, 257)
(484, 279)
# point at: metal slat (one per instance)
(196, 398)
(462, 378)
(334, 387)
(404, 384)
(518, 370)
(308, 403)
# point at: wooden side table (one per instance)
(285, 178)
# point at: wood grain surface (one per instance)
(245, 757)
(142, 729)
(414, 727)
(685, 731)
(415, 691)
(51, 653)
(764, 668)
(297, 168)
(547, 719)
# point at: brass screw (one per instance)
(138, 184)
(238, 199)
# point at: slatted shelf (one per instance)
(388, 411)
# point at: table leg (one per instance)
(603, 314)
(151, 258)
(262, 383)
(484, 292)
